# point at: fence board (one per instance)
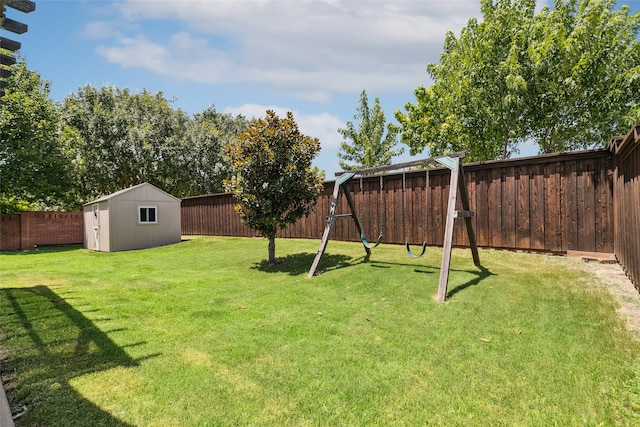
(441, 196)
(586, 223)
(482, 205)
(571, 188)
(537, 207)
(508, 208)
(523, 213)
(495, 208)
(397, 227)
(552, 223)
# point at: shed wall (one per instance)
(127, 233)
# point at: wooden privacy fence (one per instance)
(627, 201)
(212, 215)
(552, 203)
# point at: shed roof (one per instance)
(126, 190)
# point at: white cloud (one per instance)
(137, 52)
(182, 57)
(98, 30)
(323, 126)
(307, 48)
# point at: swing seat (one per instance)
(367, 245)
(411, 254)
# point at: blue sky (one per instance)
(310, 57)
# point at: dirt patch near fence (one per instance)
(613, 277)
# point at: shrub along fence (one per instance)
(550, 203)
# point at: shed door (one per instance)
(95, 223)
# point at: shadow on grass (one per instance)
(54, 344)
(482, 274)
(426, 269)
(298, 264)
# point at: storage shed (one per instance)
(142, 216)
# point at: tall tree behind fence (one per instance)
(627, 202)
(553, 203)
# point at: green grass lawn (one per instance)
(202, 333)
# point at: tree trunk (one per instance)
(272, 250)
(505, 142)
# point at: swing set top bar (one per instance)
(426, 161)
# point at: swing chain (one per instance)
(426, 205)
(381, 208)
(404, 207)
(362, 205)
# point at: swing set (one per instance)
(456, 186)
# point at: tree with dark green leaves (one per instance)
(272, 181)
(126, 139)
(565, 78)
(206, 134)
(369, 145)
(36, 150)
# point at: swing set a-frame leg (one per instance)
(331, 218)
(354, 215)
(457, 183)
(327, 229)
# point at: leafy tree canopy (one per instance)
(369, 145)
(206, 134)
(273, 182)
(565, 78)
(127, 139)
(36, 151)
